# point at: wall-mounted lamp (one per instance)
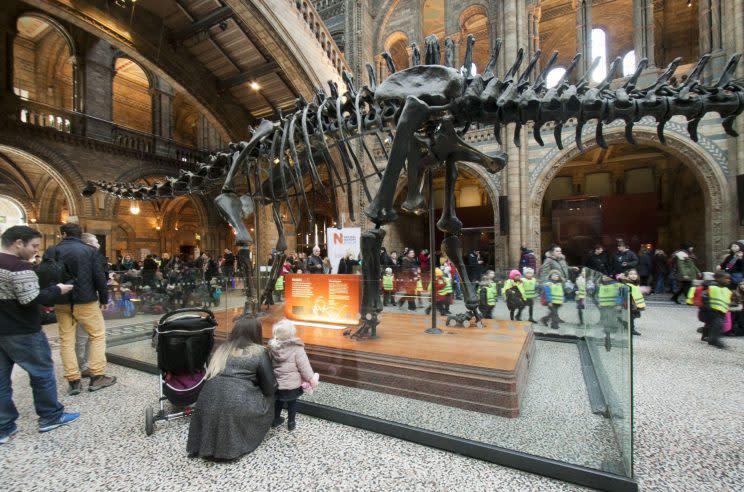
(134, 208)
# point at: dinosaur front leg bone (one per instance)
(230, 207)
(277, 257)
(414, 199)
(371, 244)
(414, 113)
(449, 222)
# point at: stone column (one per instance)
(584, 33)
(99, 76)
(78, 84)
(643, 30)
(710, 37)
(7, 35)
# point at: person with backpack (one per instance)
(514, 295)
(83, 305)
(22, 342)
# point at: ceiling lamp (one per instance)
(689, 3)
(255, 86)
(134, 208)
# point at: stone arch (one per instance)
(64, 173)
(397, 45)
(68, 41)
(705, 160)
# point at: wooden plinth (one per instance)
(477, 369)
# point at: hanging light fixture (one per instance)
(134, 208)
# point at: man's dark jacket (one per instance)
(86, 271)
(628, 257)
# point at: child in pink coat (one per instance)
(291, 368)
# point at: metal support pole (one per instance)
(432, 257)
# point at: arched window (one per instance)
(599, 49)
(629, 63)
(132, 103)
(554, 76)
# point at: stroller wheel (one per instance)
(149, 421)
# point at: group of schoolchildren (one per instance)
(718, 303)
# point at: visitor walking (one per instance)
(623, 259)
(685, 270)
(315, 262)
(554, 260)
(645, 266)
(527, 259)
(733, 263)
(554, 298)
(22, 342)
(660, 269)
(598, 260)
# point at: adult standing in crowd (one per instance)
(82, 305)
(598, 260)
(408, 270)
(22, 341)
(424, 260)
(645, 265)
(660, 270)
(733, 263)
(474, 266)
(347, 263)
(554, 260)
(128, 263)
(149, 267)
(623, 259)
(81, 336)
(527, 259)
(228, 265)
(685, 270)
(315, 262)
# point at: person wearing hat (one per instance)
(686, 270)
(553, 289)
(388, 287)
(514, 295)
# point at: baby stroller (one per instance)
(184, 340)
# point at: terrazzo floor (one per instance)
(689, 423)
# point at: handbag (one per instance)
(727, 324)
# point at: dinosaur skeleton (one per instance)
(426, 109)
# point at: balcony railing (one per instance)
(36, 114)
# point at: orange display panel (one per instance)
(323, 298)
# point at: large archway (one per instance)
(703, 162)
(477, 201)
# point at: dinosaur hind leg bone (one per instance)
(371, 244)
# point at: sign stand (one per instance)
(433, 330)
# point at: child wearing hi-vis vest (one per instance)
(716, 301)
(637, 301)
(279, 288)
(530, 291)
(553, 291)
(514, 295)
(487, 295)
(419, 289)
(388, 287)
(610, 297)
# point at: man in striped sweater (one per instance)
(21, 340)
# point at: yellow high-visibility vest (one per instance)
(387, 282)
(279, 285)
(530, 285)
(719, 298)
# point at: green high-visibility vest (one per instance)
(607, 295)
(556, 292)
(581, 292)
(279, 285)
(637, 295)
(387, 282)
(530, 285)
(719, 298)
(491, 291)
(419, 286)
(447, 289)
(511, 283)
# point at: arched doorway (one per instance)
(676, 192)
(11, 213)
(476, 199)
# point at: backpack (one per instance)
(514, 298)
(52, 271)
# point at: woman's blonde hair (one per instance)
(245, 333)
(282, 331)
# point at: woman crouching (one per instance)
(234, 409)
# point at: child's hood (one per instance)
(281, 350)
